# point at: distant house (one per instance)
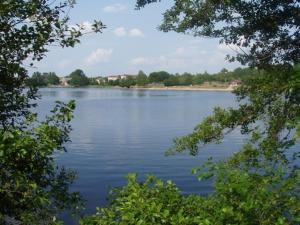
(63, 81)
(126, 76)
(120, 77)
(113, 78)
(235, 83)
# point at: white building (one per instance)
(63, 81)
(113, 78)
(125, 76)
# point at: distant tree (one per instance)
(78, 78)
(127, 82)
(40, 80)
(224, 71)
(186, 79)
(114, 82)
(93, 81)
(51, 78)
(37, 80)
(198, 79)
(141, 79)
(171, 81)
(104, 80)
(158, 77)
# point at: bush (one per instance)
(240, 197)
(32, 187)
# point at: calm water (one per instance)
(116, 132)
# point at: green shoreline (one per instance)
(172, 88)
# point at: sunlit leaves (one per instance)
(240, 197)
(33, 188)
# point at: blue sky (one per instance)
(131, 43)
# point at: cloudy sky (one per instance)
(131, 43)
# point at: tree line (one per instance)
(78, 78)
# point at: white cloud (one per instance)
(98, 56)
(135, 32)
(120, 31)
(115, 8)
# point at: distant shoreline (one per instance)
(171, 88)
(182, 88)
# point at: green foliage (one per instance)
(114, 82)
(151, 202)
(269, 97)
(141, 79)
(158, 77)
(240, 197)
(78, 78)
(171, 81)
(33, 188)
(41, 80)
(37, 80)
(28, 28)
(51, 78)
(127, 82)
(93, 81)
(185, 79)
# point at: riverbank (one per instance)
(184, 88)
(162, 88)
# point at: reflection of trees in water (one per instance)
(78, 93)
(127, 93)
(51, 93)
(141, 93)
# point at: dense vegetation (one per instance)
(259, 184)
(185, 79)
(33, 189)
(40, 80)
(78, 78)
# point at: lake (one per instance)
(119, 131)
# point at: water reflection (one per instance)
(141, 93)
(117, 131)
(78, 94)
(49, 92)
